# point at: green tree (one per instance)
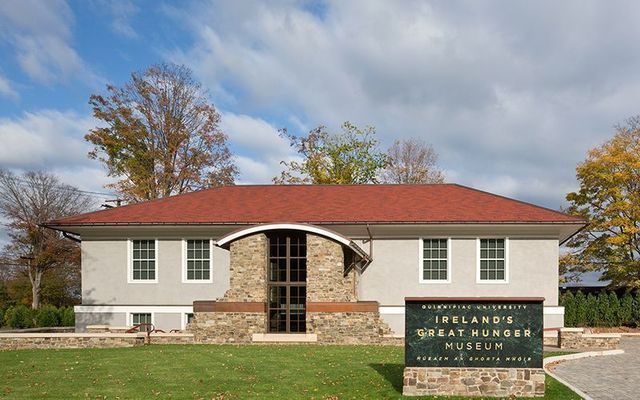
(613, 312)
(567, 300)
(159, 135)
(349, 157)
(581, 309)
(625, 313)
(593, 316)
(636, 309)
(609, 199)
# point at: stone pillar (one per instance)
(248, 270)
(325, 272)
(241, 312)
(333, 310)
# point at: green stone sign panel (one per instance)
(500, 333)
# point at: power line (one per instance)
(65, 188)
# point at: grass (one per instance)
(212, 372)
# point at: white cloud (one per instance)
(40, 34)
(510, 94)
(258, 145)
(45, 139)
(122, 11)
(6, 89)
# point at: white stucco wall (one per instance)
(105, 276)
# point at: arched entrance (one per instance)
(287, 281)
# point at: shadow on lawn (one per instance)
(392, 373)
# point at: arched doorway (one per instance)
(287, 281)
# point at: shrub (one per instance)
(19, 317)
(47, 316)
(581, 309)
(67, 316)
(567, 300)
(1, 317)
(625, 312)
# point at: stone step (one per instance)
(284, 338)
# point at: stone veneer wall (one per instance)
(325, 272)
(489, 382)
(248, 270)
(227, 327)
(348, 327)
(16, 341)
(326, 283)
(575, 338)
(248, 283)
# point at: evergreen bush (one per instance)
(67, 316)
(581, 310)
(567, 300)
(47, 316)
(19, 317)
(625, 312)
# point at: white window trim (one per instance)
(130, 262)
(421, 261)
(183, 325)
(130, 317)
(184, 262)
(506, 262)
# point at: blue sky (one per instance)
(510, 94)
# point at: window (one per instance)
(493, 260)
(435, 260)
(141, 318)
(198, 260)
(187, 319)
(143, 260)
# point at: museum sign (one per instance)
(473, 332)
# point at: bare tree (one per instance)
(160, 135)
(412, 161)
(26, 202)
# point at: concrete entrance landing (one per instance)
(284, 338)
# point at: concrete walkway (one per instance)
(609, 377)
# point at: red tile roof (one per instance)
(441, 203)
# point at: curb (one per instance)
(576, 356)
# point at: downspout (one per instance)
(370, 242)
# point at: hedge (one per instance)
(21, 316)
(605, 309)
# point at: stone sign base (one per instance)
(487, 382)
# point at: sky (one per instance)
(510, 94)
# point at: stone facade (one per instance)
(227, 327)
(575, 338)
(487, 382)
(325, 272)
(248, 270)
(326, 284)
(347, 327)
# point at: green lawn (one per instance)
(212, 372)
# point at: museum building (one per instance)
(311, 263)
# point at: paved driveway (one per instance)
(607, 377)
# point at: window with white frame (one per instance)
(141, 318)
(493, 260)
(143, 261)
(435, 260)
(198, 262)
